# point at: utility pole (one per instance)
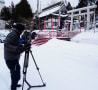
(38, 15)
(37, 7)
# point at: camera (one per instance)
(26, 42)
(27, 37)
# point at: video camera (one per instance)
(26, 41)
(27, 37)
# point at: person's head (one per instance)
(20, 27)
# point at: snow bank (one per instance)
(86, 37)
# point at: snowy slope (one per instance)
(88, 37)
(63, 65)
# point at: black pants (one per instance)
(14, 68)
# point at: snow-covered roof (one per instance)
(60, 15)
(49, 11)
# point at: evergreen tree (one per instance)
(91, 2)
(97, 7)
(69, 7)
(23, 10)
(97, 4)
(82, 3)
(5, 14)
(13, 12)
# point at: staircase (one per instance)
(40, 41)
(44, 37)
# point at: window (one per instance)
(54, 23)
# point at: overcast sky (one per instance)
(43, 4)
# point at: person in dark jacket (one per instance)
(12, 51)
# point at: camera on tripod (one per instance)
(27, 37)
(26, 41)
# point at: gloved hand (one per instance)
(21, 49)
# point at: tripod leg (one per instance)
(23, 83)
(26, 60)
(37, 68)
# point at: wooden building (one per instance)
(52, 17)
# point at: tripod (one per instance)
(26, 62)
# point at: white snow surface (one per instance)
(88, 37)
(63, 65)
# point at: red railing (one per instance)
(44, 36)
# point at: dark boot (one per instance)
(18, 85)
(13, 87)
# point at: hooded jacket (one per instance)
(11, 44)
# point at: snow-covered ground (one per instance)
(88, 37)
(63, 65)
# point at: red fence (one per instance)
(46, 35)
